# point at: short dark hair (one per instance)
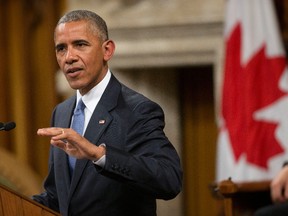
(97, 23)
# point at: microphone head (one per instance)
(9, 126)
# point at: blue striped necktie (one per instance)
(78, 126)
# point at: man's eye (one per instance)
(60, 48)
(81, 44)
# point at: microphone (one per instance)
(7, 126)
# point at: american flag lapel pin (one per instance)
(102, 121)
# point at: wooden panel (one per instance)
(14, 204)
(30, 209)
(199, 140)
(46, 213)
(11, 204)
(1, 205)
(27, 77)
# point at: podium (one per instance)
(14, 204)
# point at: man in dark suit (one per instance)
(124, 161)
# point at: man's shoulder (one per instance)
(132, 95)
(67, 102)
(128, 95)
(138, 101)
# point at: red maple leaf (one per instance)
(248, 88)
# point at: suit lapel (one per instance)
(66, 113)
(98, 123)
(93, 132)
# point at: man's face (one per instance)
(81, 55)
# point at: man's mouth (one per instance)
(73, 70)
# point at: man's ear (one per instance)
(108, 49)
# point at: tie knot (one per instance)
(80, 107)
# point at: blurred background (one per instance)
(169, 50)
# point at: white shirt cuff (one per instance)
(101, 162)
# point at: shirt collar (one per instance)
(92, 98)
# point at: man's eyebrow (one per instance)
(79, 41)
(60, 45)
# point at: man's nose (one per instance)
(71, 56)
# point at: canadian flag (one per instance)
(253, 126)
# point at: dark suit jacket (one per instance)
(141, 164)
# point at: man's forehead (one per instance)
(71, 30)
(72, 26)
